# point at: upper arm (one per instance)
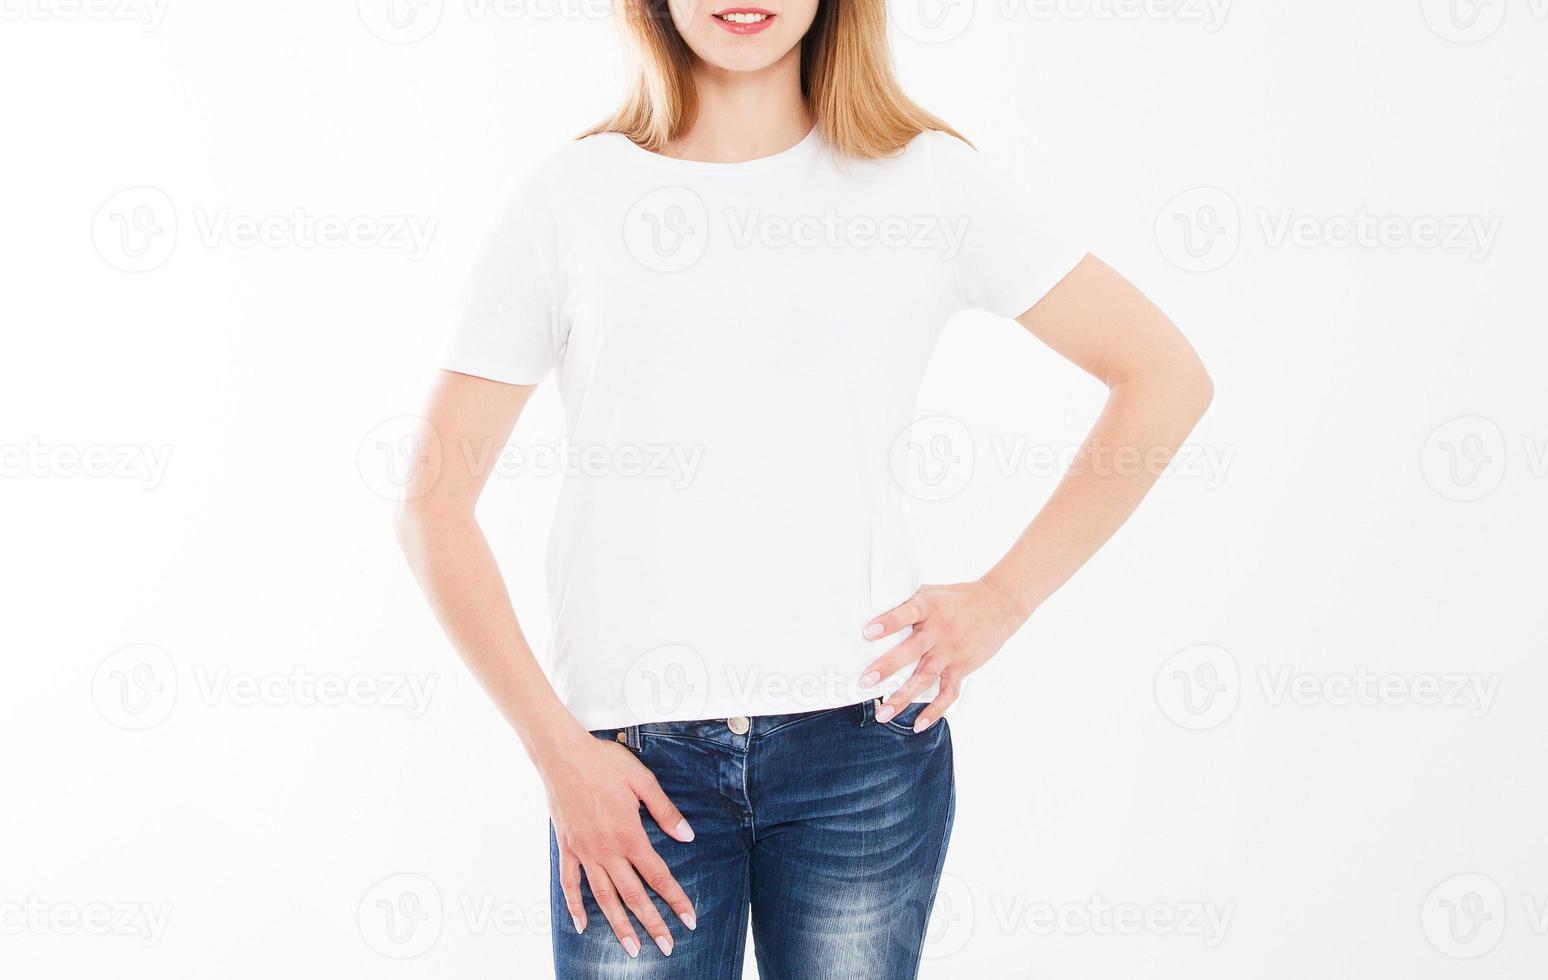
(1098, 320)
(466, 425)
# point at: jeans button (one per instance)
(739, 725)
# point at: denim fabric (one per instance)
(827, 827)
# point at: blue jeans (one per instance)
(828, 827)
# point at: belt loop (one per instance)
(632, 737)
(867, 711)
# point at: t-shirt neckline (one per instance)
(802, 148)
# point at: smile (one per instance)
(744, 20)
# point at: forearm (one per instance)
(1141, 427)
(458, 573)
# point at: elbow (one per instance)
(406, 525)
(1201, 390)
(421, 523)
(411, 522)
(1190, 384)
(1181, 387)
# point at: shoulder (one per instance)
(942, 159)
(572, 166)
(945, 151)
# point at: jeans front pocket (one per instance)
(903, 721)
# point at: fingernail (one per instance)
(922, 723)
(664, 943)
(684, 832)
(631, 946)
(885, 712)
(872, 631)
(580, 924)
(870, 679)
(690, 920)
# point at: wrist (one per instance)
(1016, 605)
(553, 744)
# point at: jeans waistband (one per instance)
(737, 726)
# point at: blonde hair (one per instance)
(846, 76)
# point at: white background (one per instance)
(198, 458)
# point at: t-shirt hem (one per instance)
(603, 719)
(1033, 292)
(493, 372)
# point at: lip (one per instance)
(744, 29)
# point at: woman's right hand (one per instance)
(594, 796)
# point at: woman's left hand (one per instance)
(957, 628)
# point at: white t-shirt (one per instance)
(738, 347)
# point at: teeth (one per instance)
(744, 18)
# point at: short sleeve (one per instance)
(507, 322)
(1011, 253)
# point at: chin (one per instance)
(742, 61)
(742, 54)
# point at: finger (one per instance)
(951, 688)
(667, 816)
(612, 910)
(897, 658)
(890, 622)
(570, 883)
(926, 674)
(658, 877)
(638, 900)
